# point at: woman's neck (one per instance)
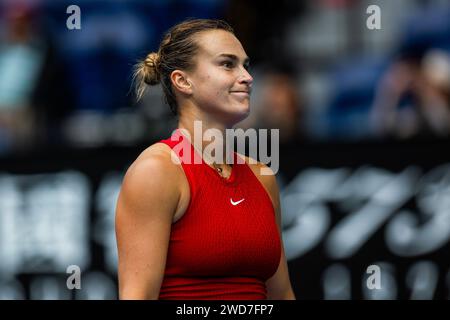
(203, 132)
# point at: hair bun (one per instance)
(151, 72)
(152, 60)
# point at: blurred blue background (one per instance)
(364, 120)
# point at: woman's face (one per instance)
(221, 83)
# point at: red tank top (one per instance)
(227, 244)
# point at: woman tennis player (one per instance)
(199, 229)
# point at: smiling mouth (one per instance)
(241, 93)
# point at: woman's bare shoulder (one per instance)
(153, 169)
(157, 149)
(158, 156)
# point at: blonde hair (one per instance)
(176, 52)
(146, 72)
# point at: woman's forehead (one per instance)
(213, 43)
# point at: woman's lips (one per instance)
(242, 94)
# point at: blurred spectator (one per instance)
(22, 55)
(99, 57)
(413, 98)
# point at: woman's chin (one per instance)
(242, 113)
(236, 113)
(243, 108)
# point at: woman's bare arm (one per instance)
(146, 205)
(279, 285)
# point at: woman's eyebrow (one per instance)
(234, 57)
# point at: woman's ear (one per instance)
(181, 82)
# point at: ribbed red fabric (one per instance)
(218, 250)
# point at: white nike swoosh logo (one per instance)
(237, 202)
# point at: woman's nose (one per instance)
(246, 77)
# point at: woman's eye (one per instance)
(227, 64)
